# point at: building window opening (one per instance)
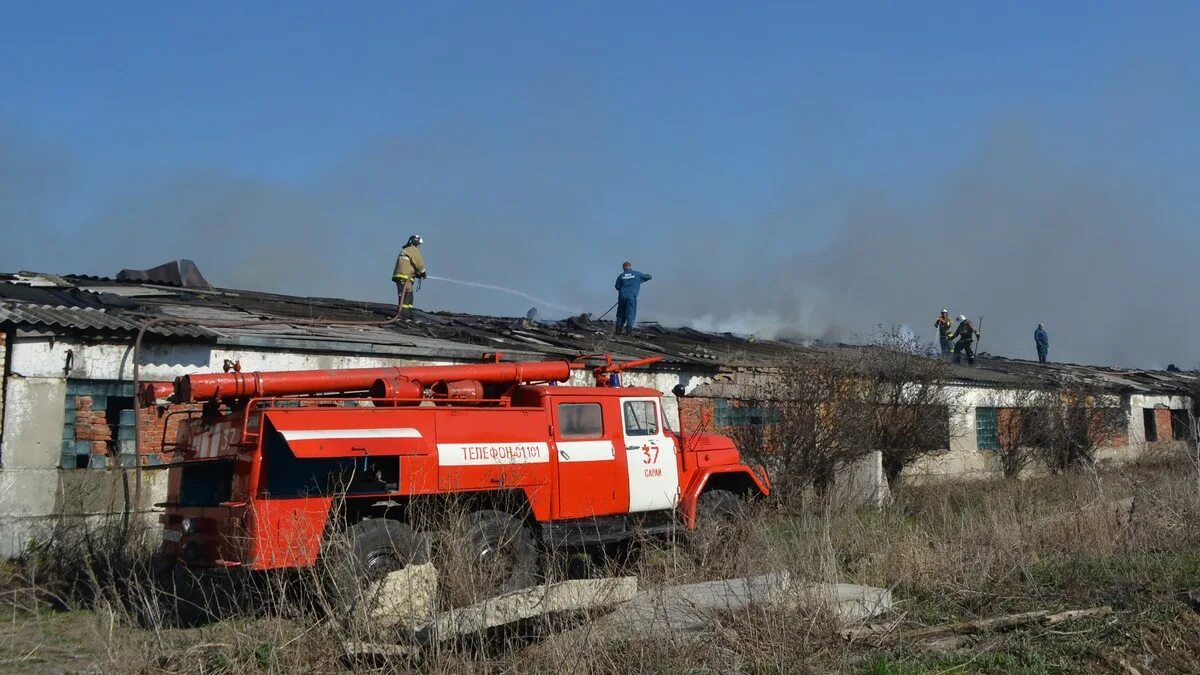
(739, 413)
(98, 425)
(1149, 426)
(1181, 424)
(987, 435)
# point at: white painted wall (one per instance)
(33, 403)
(38, 357)
(1139, 402)
(964, 456)
(3, 383)
(664, 382)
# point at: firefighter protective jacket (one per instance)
(408, 264)
(942, 324)
(965, 332)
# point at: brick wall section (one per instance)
(696, 414)
(156, 430)
(93, 426)
(1162, 424)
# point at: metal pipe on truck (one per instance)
(223, 386)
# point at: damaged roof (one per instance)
(118, 308)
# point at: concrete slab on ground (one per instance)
(693, 607)
(685, 611)
(565, 596)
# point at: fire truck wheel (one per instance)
(374, 548)
(382, 545)
(716, 508)
(711, 541)
(505, 547)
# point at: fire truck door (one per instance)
(650, 456)
(590, 479)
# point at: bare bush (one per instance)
(821, 415)
(1063, 426)
(1073, 423)
(910, 400)
(1018, 432)
(812, 425)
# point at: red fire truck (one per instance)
(275, 463)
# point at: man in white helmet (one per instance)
(945, 331)
(966, 335)
(409, 267)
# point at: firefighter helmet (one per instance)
(415, 240)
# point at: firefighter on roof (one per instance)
(409, 268)
(1041, 339)
(945, 331)
(966, 334)
(629, 282)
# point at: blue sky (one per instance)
(726, 148)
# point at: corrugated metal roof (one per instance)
(87, 319)
(106, 305)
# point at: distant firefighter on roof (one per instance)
(629, 283)
(409, 267)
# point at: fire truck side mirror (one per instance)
(679, 391)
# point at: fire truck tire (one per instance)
(713, 538)
(496, 532)
(716, 508)
(374, 548)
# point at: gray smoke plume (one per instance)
(1015, 233)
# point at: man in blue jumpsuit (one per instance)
(1042, 339)
(629, 282)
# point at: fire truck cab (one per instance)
(272, 466)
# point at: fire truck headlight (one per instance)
(188, 527)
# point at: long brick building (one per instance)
(68, 419)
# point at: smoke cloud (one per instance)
(1015, 232)
(1015, 235)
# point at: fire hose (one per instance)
(608, 310)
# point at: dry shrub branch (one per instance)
(822, 415)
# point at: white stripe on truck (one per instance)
(585, 451)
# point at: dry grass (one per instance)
(1126, 536)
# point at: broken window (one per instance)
(1149, 426)
(1181, 424)
(735, 413)
(987, 435)
(98, 424)
(1115, 421)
